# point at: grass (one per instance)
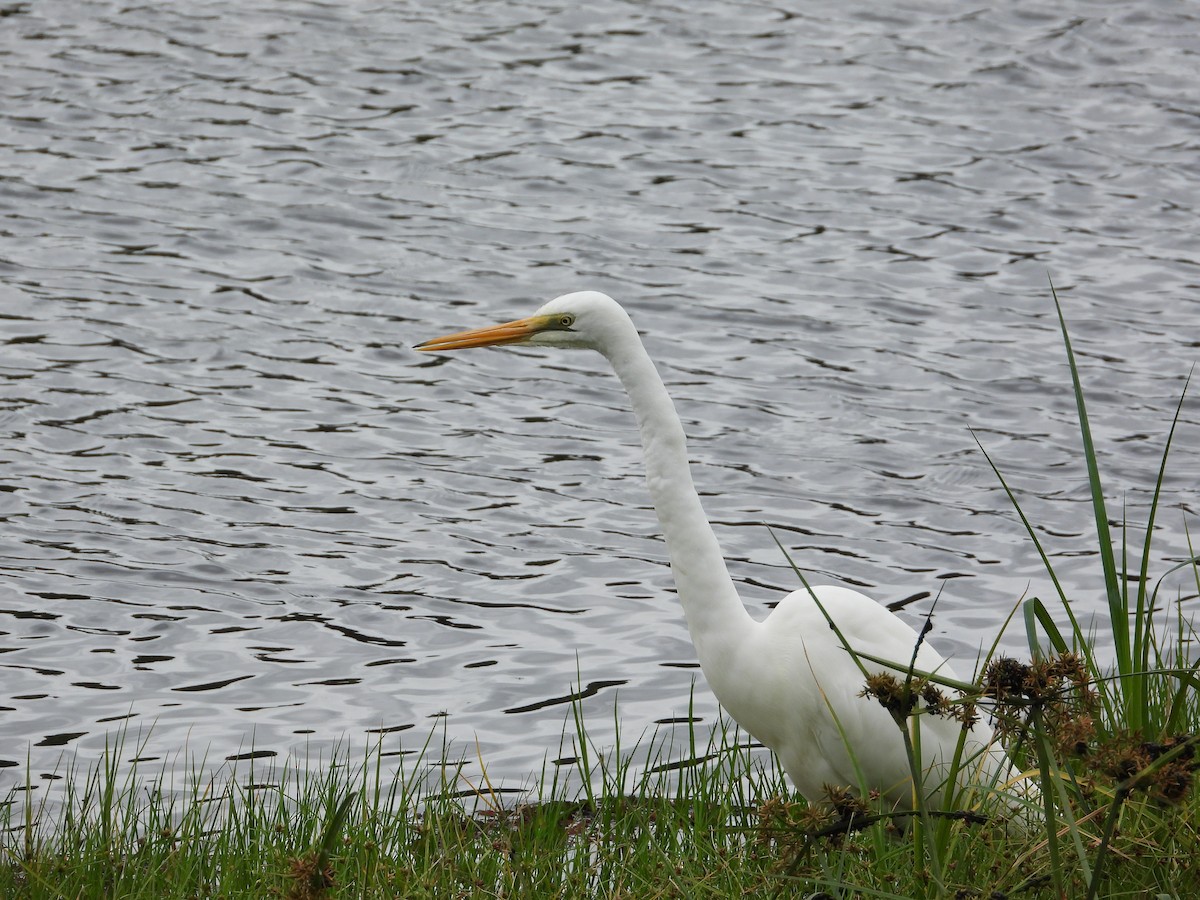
(349, 828)
(1110, 739)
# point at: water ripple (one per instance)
(242, 514)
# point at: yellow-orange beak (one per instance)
(493, 335)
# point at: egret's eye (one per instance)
(566, 320)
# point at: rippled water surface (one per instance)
(239, 508)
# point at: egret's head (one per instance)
(584, 320)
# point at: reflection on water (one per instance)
(240, 513)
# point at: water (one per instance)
(242, 515)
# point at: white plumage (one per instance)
(787, 680)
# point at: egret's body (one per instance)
(787, 680)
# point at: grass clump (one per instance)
(347, 828)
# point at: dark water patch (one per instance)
(212, 685)
(590, 690)
(252, 754)
(59, 740)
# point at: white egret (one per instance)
(787, 680)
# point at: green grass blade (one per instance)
(1012, 498)
(820, 606)
(1141, 623)
(1117, 608)
(1036, 614)
(1179, 715)
(1080, 638)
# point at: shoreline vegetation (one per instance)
(1110, 741)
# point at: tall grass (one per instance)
(347, 826)
(1143, 652)
(1135, 719)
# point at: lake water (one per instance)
(241, 514)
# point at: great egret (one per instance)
(787, 680)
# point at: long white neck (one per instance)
(716, 618)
